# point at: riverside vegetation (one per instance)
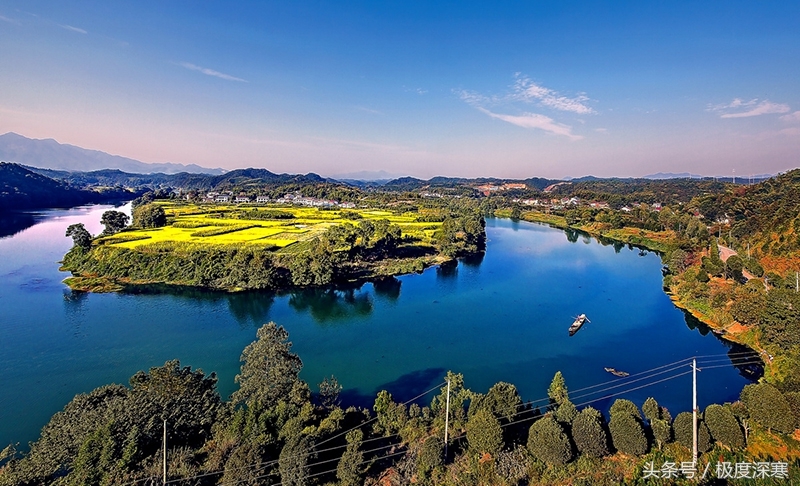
(234, 248)
(274, 429)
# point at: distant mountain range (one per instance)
(49, 154)
(21, 188)
(687, 175)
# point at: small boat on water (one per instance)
(576, 326)
(617, 373)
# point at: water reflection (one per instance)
(250, 308)
(447, 271)
(747, 362)
(12, 223)
(387, 287)
(404, 388)
(474, 261)
(331, 305)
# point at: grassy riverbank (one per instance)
(273, 247)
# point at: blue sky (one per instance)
(423, 88)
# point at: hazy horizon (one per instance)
(514, 90)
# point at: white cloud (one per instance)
(74, 29)
(528, 91)
(753, 107)
(472, 97)
(369, 110)
(10, 21)
(211, 72)
(535, 120)
(791, 117)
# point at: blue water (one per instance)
(500, 318)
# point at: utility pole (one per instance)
(694, 412)
(447, 419)
(164, 446)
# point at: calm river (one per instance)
(503, 318)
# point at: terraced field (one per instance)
(219, 225)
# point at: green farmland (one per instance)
(269, 247)
(229, 225)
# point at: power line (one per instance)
(617, 384)
(311, 452)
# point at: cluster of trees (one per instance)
(342, 252)
(273, 428)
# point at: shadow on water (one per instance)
(474, 261)
(332, 305)
(447, 271)
(387, 287)
(402, 389)
(12, 223)
(250, 308)
(746, 361)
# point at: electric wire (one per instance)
(275, 461)
(747, 357)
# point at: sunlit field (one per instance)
(221, 225)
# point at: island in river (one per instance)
(269, 247)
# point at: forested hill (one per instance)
(184, 180)
(21, 188)
(618, 192)
(765, 215)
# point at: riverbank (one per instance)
(662, 243)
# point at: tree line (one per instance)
(274, 428)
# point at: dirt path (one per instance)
(725, 253)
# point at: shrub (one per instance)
(548, 442)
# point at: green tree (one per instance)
(329, 390)
(391, 416)
(627, 432)
(683, 432)
(430, 456)
(114, 221)
(459, 396)
(558, 389)
(484, 434)
(723, 426)
(269, 368)
(622, 405)
(768, 407)
(349, 469)
(149, 216)
(502, 400)
(589, 433)
(651, 409)
(80, 237)
(733, 267)
(548, 441)
(293, 461)
(662, 431)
